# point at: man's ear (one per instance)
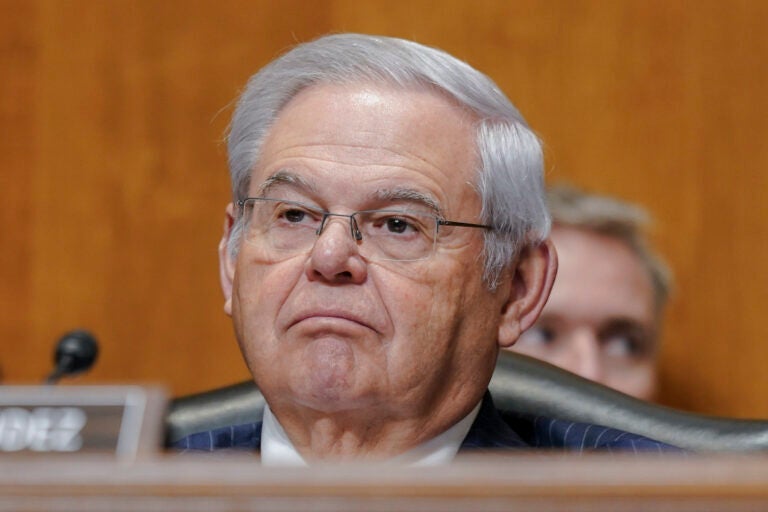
(226, 261)
(532, 281)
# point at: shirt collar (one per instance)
(278, 450)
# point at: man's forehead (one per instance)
(294, 180)
(355, 104)
(375, 141)
(599, 276)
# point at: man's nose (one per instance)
(335, 256)
(584, 355)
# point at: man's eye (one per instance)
(623, 346)
(625, 340)
(287, 213)
(398, 225)
(537, 335)
(395, 224)
(294, 215)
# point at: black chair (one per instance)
(522, 384)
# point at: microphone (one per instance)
(75, 353)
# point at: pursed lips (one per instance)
(331, 314)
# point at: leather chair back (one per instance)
(521, 384)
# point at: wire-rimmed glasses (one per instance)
(293, 227)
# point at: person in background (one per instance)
(603, 318)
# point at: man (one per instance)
(604, 314)
(388, 233)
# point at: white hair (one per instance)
(510, 177)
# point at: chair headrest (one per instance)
(521, 384)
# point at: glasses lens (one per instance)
(397, 235)
(280, 225)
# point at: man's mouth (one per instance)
(330, 317)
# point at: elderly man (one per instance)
(604, 314)
(388, 233)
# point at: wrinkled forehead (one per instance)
(381, 99)
(261, 108)
(371, 135)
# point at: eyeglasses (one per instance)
(292, 227)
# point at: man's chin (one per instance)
(332, 400)
(332, 381)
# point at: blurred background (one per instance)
(113, 176)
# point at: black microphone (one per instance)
(75, 353)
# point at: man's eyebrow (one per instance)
(407, 194)
(284, 177)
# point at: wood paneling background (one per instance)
(113, 179)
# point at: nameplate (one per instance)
(125, 421)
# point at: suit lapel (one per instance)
(489, 430)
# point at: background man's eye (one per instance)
(622, 345)
(537, 336)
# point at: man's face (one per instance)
(600, 319)
(327, 331)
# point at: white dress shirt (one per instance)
(278, 450)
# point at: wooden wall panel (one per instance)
(114, 179)
(17, 155)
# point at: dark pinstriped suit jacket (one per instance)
(491, 430)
